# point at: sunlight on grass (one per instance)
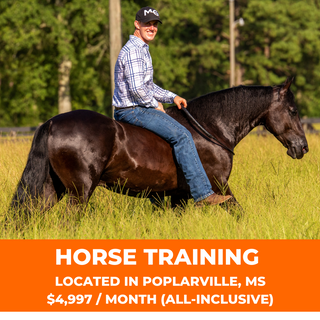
(279, 196)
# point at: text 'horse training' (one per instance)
(77, 151)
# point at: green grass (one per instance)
(279, 196)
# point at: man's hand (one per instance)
(180, 101)
(160, 107)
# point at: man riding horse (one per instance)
(138, 101)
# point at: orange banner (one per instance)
(160, 275)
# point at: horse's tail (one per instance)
(36, 170)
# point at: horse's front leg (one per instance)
(179, 201)
(233, 207)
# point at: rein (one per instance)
(204, 130)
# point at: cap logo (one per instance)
(155, 12)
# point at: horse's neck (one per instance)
(231, 114)
(246, 127)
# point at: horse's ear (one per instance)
(286, 86)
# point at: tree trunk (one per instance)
(239, 74)
(64, 86)
(115, 37)
(239, 70)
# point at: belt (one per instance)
(116, 108)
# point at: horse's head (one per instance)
(283, 121)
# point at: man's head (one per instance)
(146, 24)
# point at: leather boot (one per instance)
(213, 199)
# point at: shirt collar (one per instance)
(138, 42)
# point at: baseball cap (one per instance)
(147, 14)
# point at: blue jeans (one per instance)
(180, 140)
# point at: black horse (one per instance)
(77, 151)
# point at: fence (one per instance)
(17, 131)
(307, 123)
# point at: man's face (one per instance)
(147, 30)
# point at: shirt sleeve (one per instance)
(163, 96)
(134, 73)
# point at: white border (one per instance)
(159, 315)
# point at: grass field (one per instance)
(280, 197)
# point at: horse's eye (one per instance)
(293, 112)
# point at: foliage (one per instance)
(281, 39)
(190, 53)
(36, 35)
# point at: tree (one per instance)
(281, 39)
(47, 41)
(41, 40)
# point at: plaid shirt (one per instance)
(133, 77)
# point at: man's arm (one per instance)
(163, 96)
(166, 96)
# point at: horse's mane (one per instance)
(234, 103)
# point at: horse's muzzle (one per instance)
(297, 151)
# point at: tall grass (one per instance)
(280, 197)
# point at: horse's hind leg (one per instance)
(53, 190)
(80, 190)
(78, 174)
(79, 193)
